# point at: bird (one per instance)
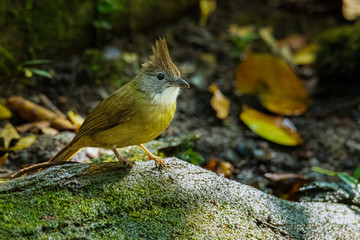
(136, 113)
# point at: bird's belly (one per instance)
(142, 128)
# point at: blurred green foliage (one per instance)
(351, 180)
(338, 58)
(185, 151)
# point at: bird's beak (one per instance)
(179, 82)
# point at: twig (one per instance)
(47, 103)
(35, 167)
(337, 107)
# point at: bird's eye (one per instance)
(160, 76)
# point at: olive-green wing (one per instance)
(116, 109)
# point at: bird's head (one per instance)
(159, 77)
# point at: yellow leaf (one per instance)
(23, 142)
(7, 134)
(28, 73)
(207, 7)
(306, 55)
(289, 107)
(266, 34)
(219, 102)
(277, 129)
(75, 118)
(130, 57)
(5, 113)
(242, 31)
(279, 89)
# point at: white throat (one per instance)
(167, 97)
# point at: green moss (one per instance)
(103, 211)
(111, 203)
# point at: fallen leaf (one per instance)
(291, 196)
(130, 57)
(209, 59)
(289, 107)
(9, 133)
(23, 142)
(207, 7)
(212, 164)
(33, 112)
(266, 34)
(75, 118)
(283, 176)
(49, 131)
(306, 54)
(221, 168)
(48, 104)
(241, 31)
(3, 158)
(284, 51)
(294, 41)
(226, 169)
(5, 113)
(277, 129)
(219, 102)
(280, 90)
(33, 125)
(351, 9)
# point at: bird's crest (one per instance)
(161, 59)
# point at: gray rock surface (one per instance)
(106, 200)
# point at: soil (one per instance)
(330, 128)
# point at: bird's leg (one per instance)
(151, 156)
(121, 159)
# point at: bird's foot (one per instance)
(122, 159)
(158, 160)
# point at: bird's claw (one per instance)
(158, 161)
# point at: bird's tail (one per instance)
(65, 154)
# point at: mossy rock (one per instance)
(338, 58)
(108, 201)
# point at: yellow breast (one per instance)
(147, 124)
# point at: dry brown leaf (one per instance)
(212, 164)
(273, 128)
(284, 176)
(49, 131)
(219, 102)
(3, 158)
(47, 103)
(351, 9)
(33, 112)
(32, 126)
(221, 168)
(294, 41)
(280, 90)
